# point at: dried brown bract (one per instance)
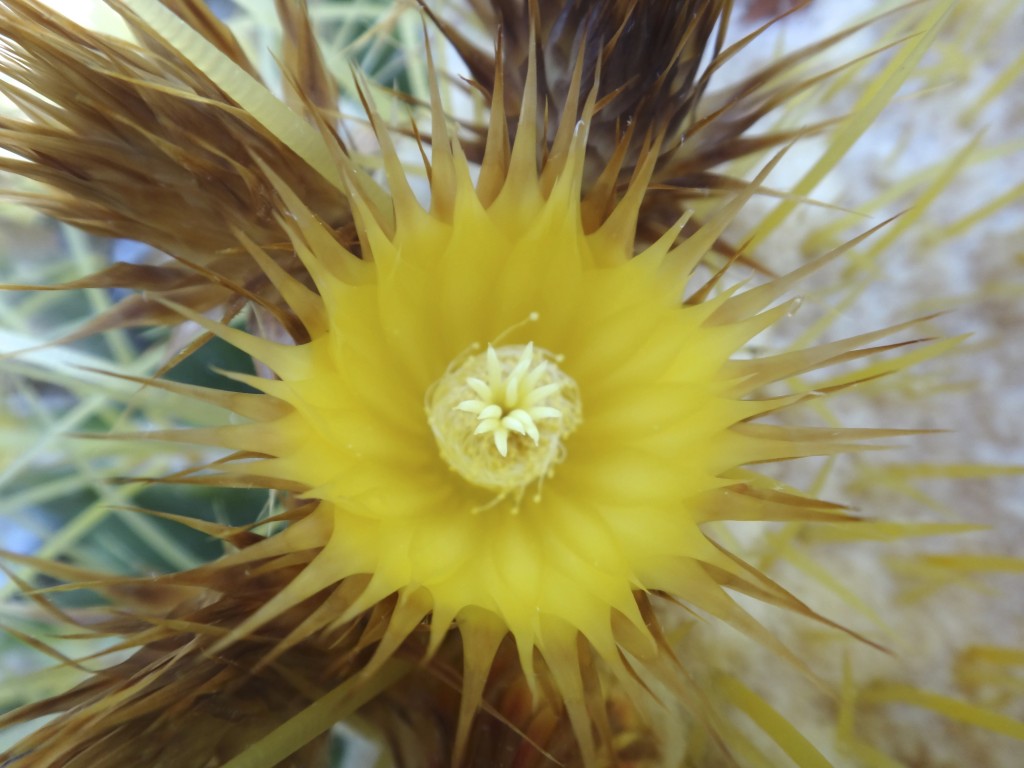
(136, 141)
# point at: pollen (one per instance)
(500, 417)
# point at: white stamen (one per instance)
(511, 403)
(500, 417)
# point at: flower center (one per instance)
(500, 416)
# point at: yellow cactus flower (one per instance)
(515, 424)
(502, 420)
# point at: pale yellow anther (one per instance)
(500, 417)
(510, 403)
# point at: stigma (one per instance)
(500, 417)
